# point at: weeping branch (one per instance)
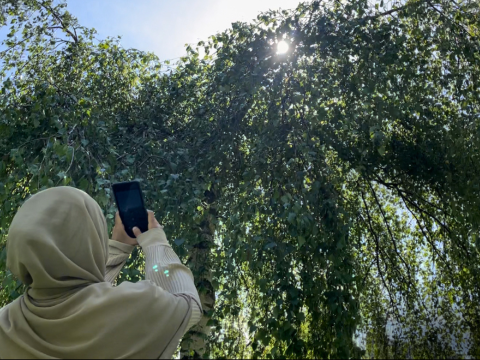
(377, 258)
(391, 233)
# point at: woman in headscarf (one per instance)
(59, 247)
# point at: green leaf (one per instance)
(381, 150)
(291, 217)
(301, 241)
(179, 242)
(130, 159)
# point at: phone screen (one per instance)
(129, 200)
(131, 206)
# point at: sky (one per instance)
(164, 27)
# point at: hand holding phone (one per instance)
(120, 235)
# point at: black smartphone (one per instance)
(131, 206)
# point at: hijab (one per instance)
(58, 246)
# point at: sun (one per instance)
(282, 47)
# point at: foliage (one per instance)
(323, 195)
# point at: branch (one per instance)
(399, 273)
(377, 259)
(32, 140)
(73, 158)
(396, 186)
(59, 19)
(402, 192)
(144, 161)
(14, 46)
(429, 239)
(390, 232)
(445, 226)
(62, 91)
(446, 17)
(389, 12)
(367, 272)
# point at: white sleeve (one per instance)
(164, 269)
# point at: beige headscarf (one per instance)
(58, 246)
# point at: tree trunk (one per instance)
(194, 342)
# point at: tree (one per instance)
(319, 195)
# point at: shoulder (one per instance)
(6, 311)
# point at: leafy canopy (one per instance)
(340, 180)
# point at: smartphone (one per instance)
(131, 206)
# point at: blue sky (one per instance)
(164, 27)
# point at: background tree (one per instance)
(320, 197)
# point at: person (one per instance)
(58, 246)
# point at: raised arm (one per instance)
(118, 254)
(162, 265)
(164, 268)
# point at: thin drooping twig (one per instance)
(367, 272)
(71, 162)
(396, 186)
(428, 237)
(406, 199)
(445, 226)
(378, 247)
(399, 273)
(390, 232)
(377, 250)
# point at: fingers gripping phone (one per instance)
(131, 206)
